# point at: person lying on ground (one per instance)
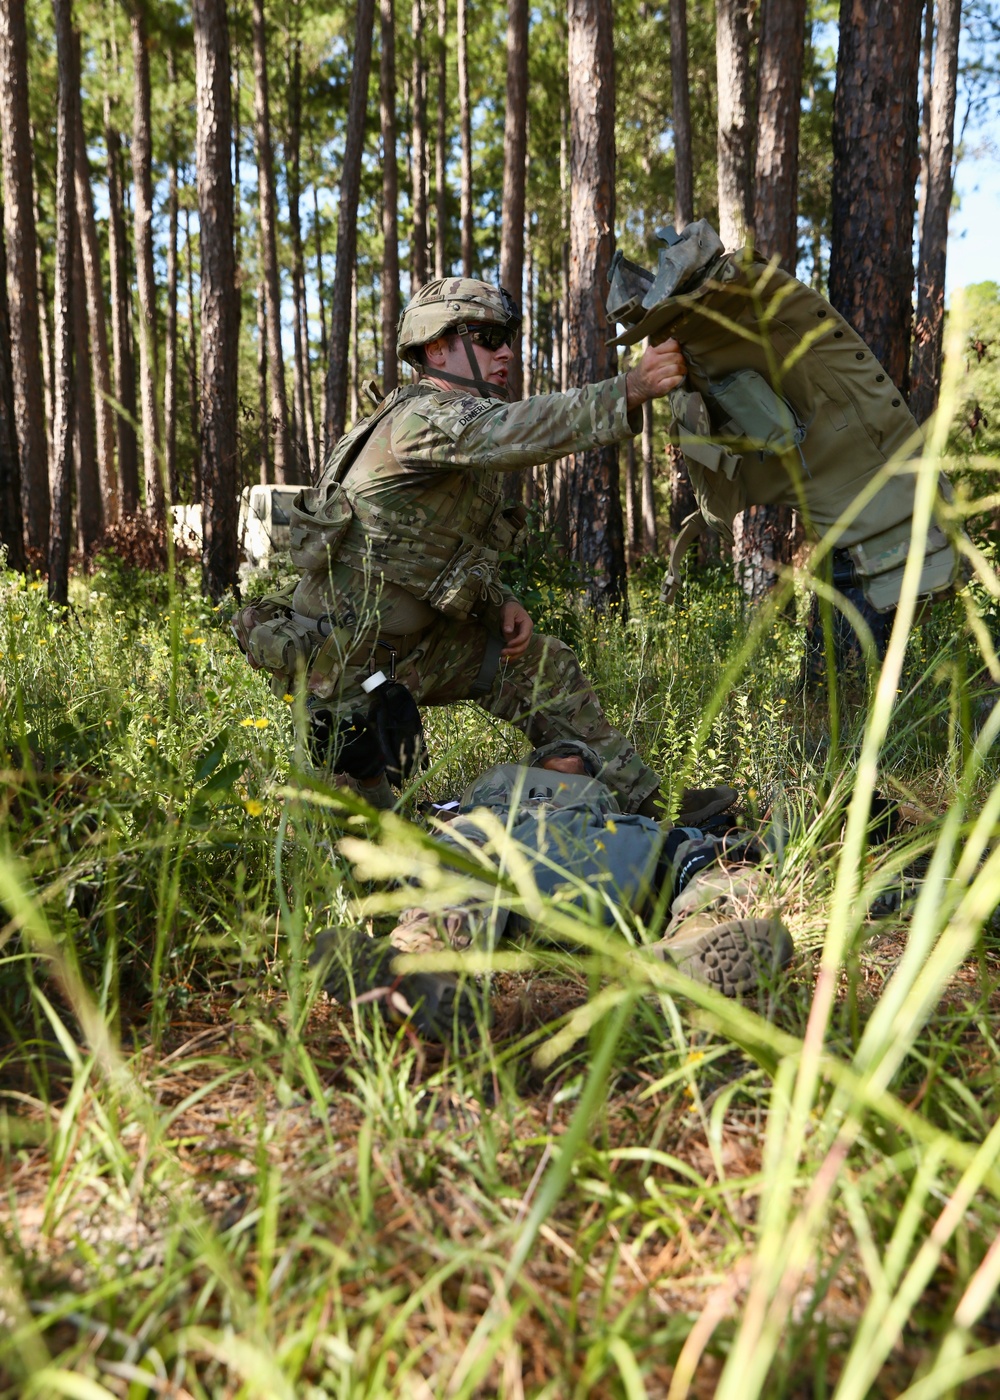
(583, 852)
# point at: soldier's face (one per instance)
(449, 354)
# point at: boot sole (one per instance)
(733, 957)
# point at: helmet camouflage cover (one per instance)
(448, 303)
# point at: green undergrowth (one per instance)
(219, 1183)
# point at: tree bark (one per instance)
(441, 143)
(928, 332)
(465, 128)
(596, 535)
(268, 247)
(390, 196)
(121, 313)
(142, 175)
(193, 387)
(648, 482)
(926, 91)
(96, 317)
(219, 316)
(62, 388)
(11, 517)
(89, 516)
(265, 436)
(347, 226)
(44, 303)
(779, 88)
(515, 143)
(683, 163)
(732, 57)
(355, 355)
(22, 274)
(874, 175)
(293, 181)
(418, 140)
(170, 364)
(320, 283)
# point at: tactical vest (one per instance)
(784, 405)
(452, 564)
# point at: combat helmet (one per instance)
(454, 304)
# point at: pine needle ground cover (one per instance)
(217, 1182)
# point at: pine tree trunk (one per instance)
(648, 482)
(22, 275)
(632, 511)
(170, 364)
(926, 93)
(121, 314)
(62, 389)
(732, 58)
(44, 303)
(96, 317)
(764, 533)
(89, 522)
(265, 436)
(219, 314)
(596, 535)
(194, 408)
(779, 86)
(11, 518)
(355, 357)
(928, 334)
(875, 163)
(293, 181)
(683, 163)
(465, 128)
(269, 248)
(515, 144)
(390, 196)
(418, 237)
(142, 176)
(347, 226)
(320, 281)
(441, 144)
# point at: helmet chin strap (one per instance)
(481, 386)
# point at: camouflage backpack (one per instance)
(272, 635)
(784, 404)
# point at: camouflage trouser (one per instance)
(544, 693)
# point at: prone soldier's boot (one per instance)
(722, 932)
(697, 805)
(439, 1004)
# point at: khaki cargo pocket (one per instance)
(752, 417)
(319, 518)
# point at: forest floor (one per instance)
(217, 1182)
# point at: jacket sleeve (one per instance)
(460, 430)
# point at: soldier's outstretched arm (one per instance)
(450, 430)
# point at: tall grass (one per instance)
(217, 1183)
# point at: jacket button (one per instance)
(838, 335)
(859, 354)
(879, 378)
(821, 314)
(895, 403)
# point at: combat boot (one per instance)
(438, 1004)
(719, 933)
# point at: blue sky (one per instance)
(974, 231)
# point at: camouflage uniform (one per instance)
(426, 486)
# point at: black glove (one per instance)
(354, 748)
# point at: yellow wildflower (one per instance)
(288, 699)
(247, 723)
(253, 807)
(261, 723)
(151, 743)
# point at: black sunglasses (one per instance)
(492, 337)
